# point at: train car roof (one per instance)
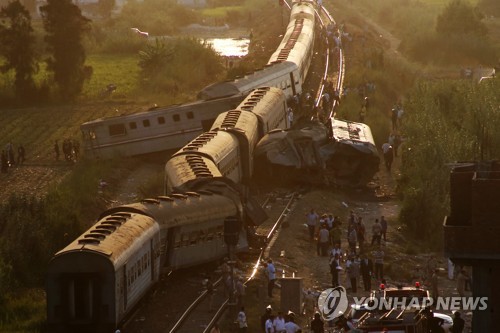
(159, 111)
(188, 167)
(113, 235)
(250, 81)
(212, 144)
(259, 100)
(344, 130)
(180, 209)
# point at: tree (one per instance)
(17, 40)
(105, 7)
(460, 18)
(65, 26)
(154, 58)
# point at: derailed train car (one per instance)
(352, 153)
(347, 150)
(95, 281)
(172, 127)
(158, 129)
(228, 148)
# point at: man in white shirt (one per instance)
(242, 320)
(269, 325)
(290, 117)
(271, 275)
(291, 327)
(279, 323)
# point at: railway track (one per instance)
(201, 314)
(206, 309)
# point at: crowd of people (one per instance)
(363, 259)
(8, 158)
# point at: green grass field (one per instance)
(121, 70)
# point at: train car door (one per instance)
(81, 299)
(125, 287)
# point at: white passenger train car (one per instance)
(298, 43)
(219, 147)
(95, 281)
(156, 130)
(104, 273)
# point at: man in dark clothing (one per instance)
(20, 155)
(366, 267)
(265, 317)
(317, 325)
(56, 150)
(458, 323)
(4, 162)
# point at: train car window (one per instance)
(185, 239)
(201, 236)
(146, 123)
(116, 129)
(190, 115)
(220, 230)
(92, 135)
(210, 234)
(192, 238)
(161, 120)
(178, 241)
(176, 117)
(132, 125)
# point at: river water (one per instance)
(230, 47)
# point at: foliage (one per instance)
(179, 64)
(491, 7)
(459, 18)
(453, 31)
(155, 57)
(105, 7)
(65, 26)
(444, 122)
(17, 40)
(461, 49)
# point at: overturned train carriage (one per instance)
(346, 151)
(156, 130)
(352, 153)
(94, 282)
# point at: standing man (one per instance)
(334, 270)
(271, 275)
(383, 224)
(458, 323)
(366, 267)
(376, 232)
(312, 222)
(378, 259)
(290, 116)
(242, 320)
(279, 323)
(56, 150)
(20, 155)
(435, 284)
(388, 155)
(323, 241)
